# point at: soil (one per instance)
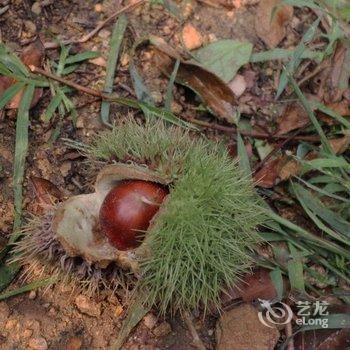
(53, 314)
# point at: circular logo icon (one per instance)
(274, 314)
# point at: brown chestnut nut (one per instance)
(127, 210)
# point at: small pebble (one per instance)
(162, 330)
(36, 8)
(30, 26)
(38, 343)
(32, 295)
(11, 324)
(191, 37)
(104, 33)
(87, 306)
(27, 333)
(150, 321)
(74, 343)
(98, 7)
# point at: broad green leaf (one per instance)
(9, 93)
(115, 43)
(87, 55)
(224, 57)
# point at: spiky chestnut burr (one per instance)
(127, 211)
(197, 244)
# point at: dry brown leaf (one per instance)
(45, 191)
(215, 93)
(271, 20)
(268, 174)
(293, 118)
(31, 55)
(289, 169)
(342, 108)
(253, 286)
(277, 170)
(341, 144)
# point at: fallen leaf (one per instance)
(341, 144)
(191, 37)
(224, 57)
(340, 73)
(241, 329)
(215, 94)
(45, 191)
(294, 117)
(271, 20)
(31, 55)
(267, 176)
(252, 286)
(342, 108)
(289, 169)
(277, 170)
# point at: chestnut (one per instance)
(127, 210)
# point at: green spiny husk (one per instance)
(201, 238)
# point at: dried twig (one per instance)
(85, 38)
(226, 129)
(4, 9)
(318, 69)
(76, 86)
(255, 134)
(196, 339)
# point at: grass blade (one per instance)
(295, 269)
(311, 114)
(27, 288)
(7, 274)
(53, 105)
(243, 156)
(169, 90)
(115, 43)
(136, 313)
(277, 280)
(20, 155)
(87, 55)
(9, 93)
